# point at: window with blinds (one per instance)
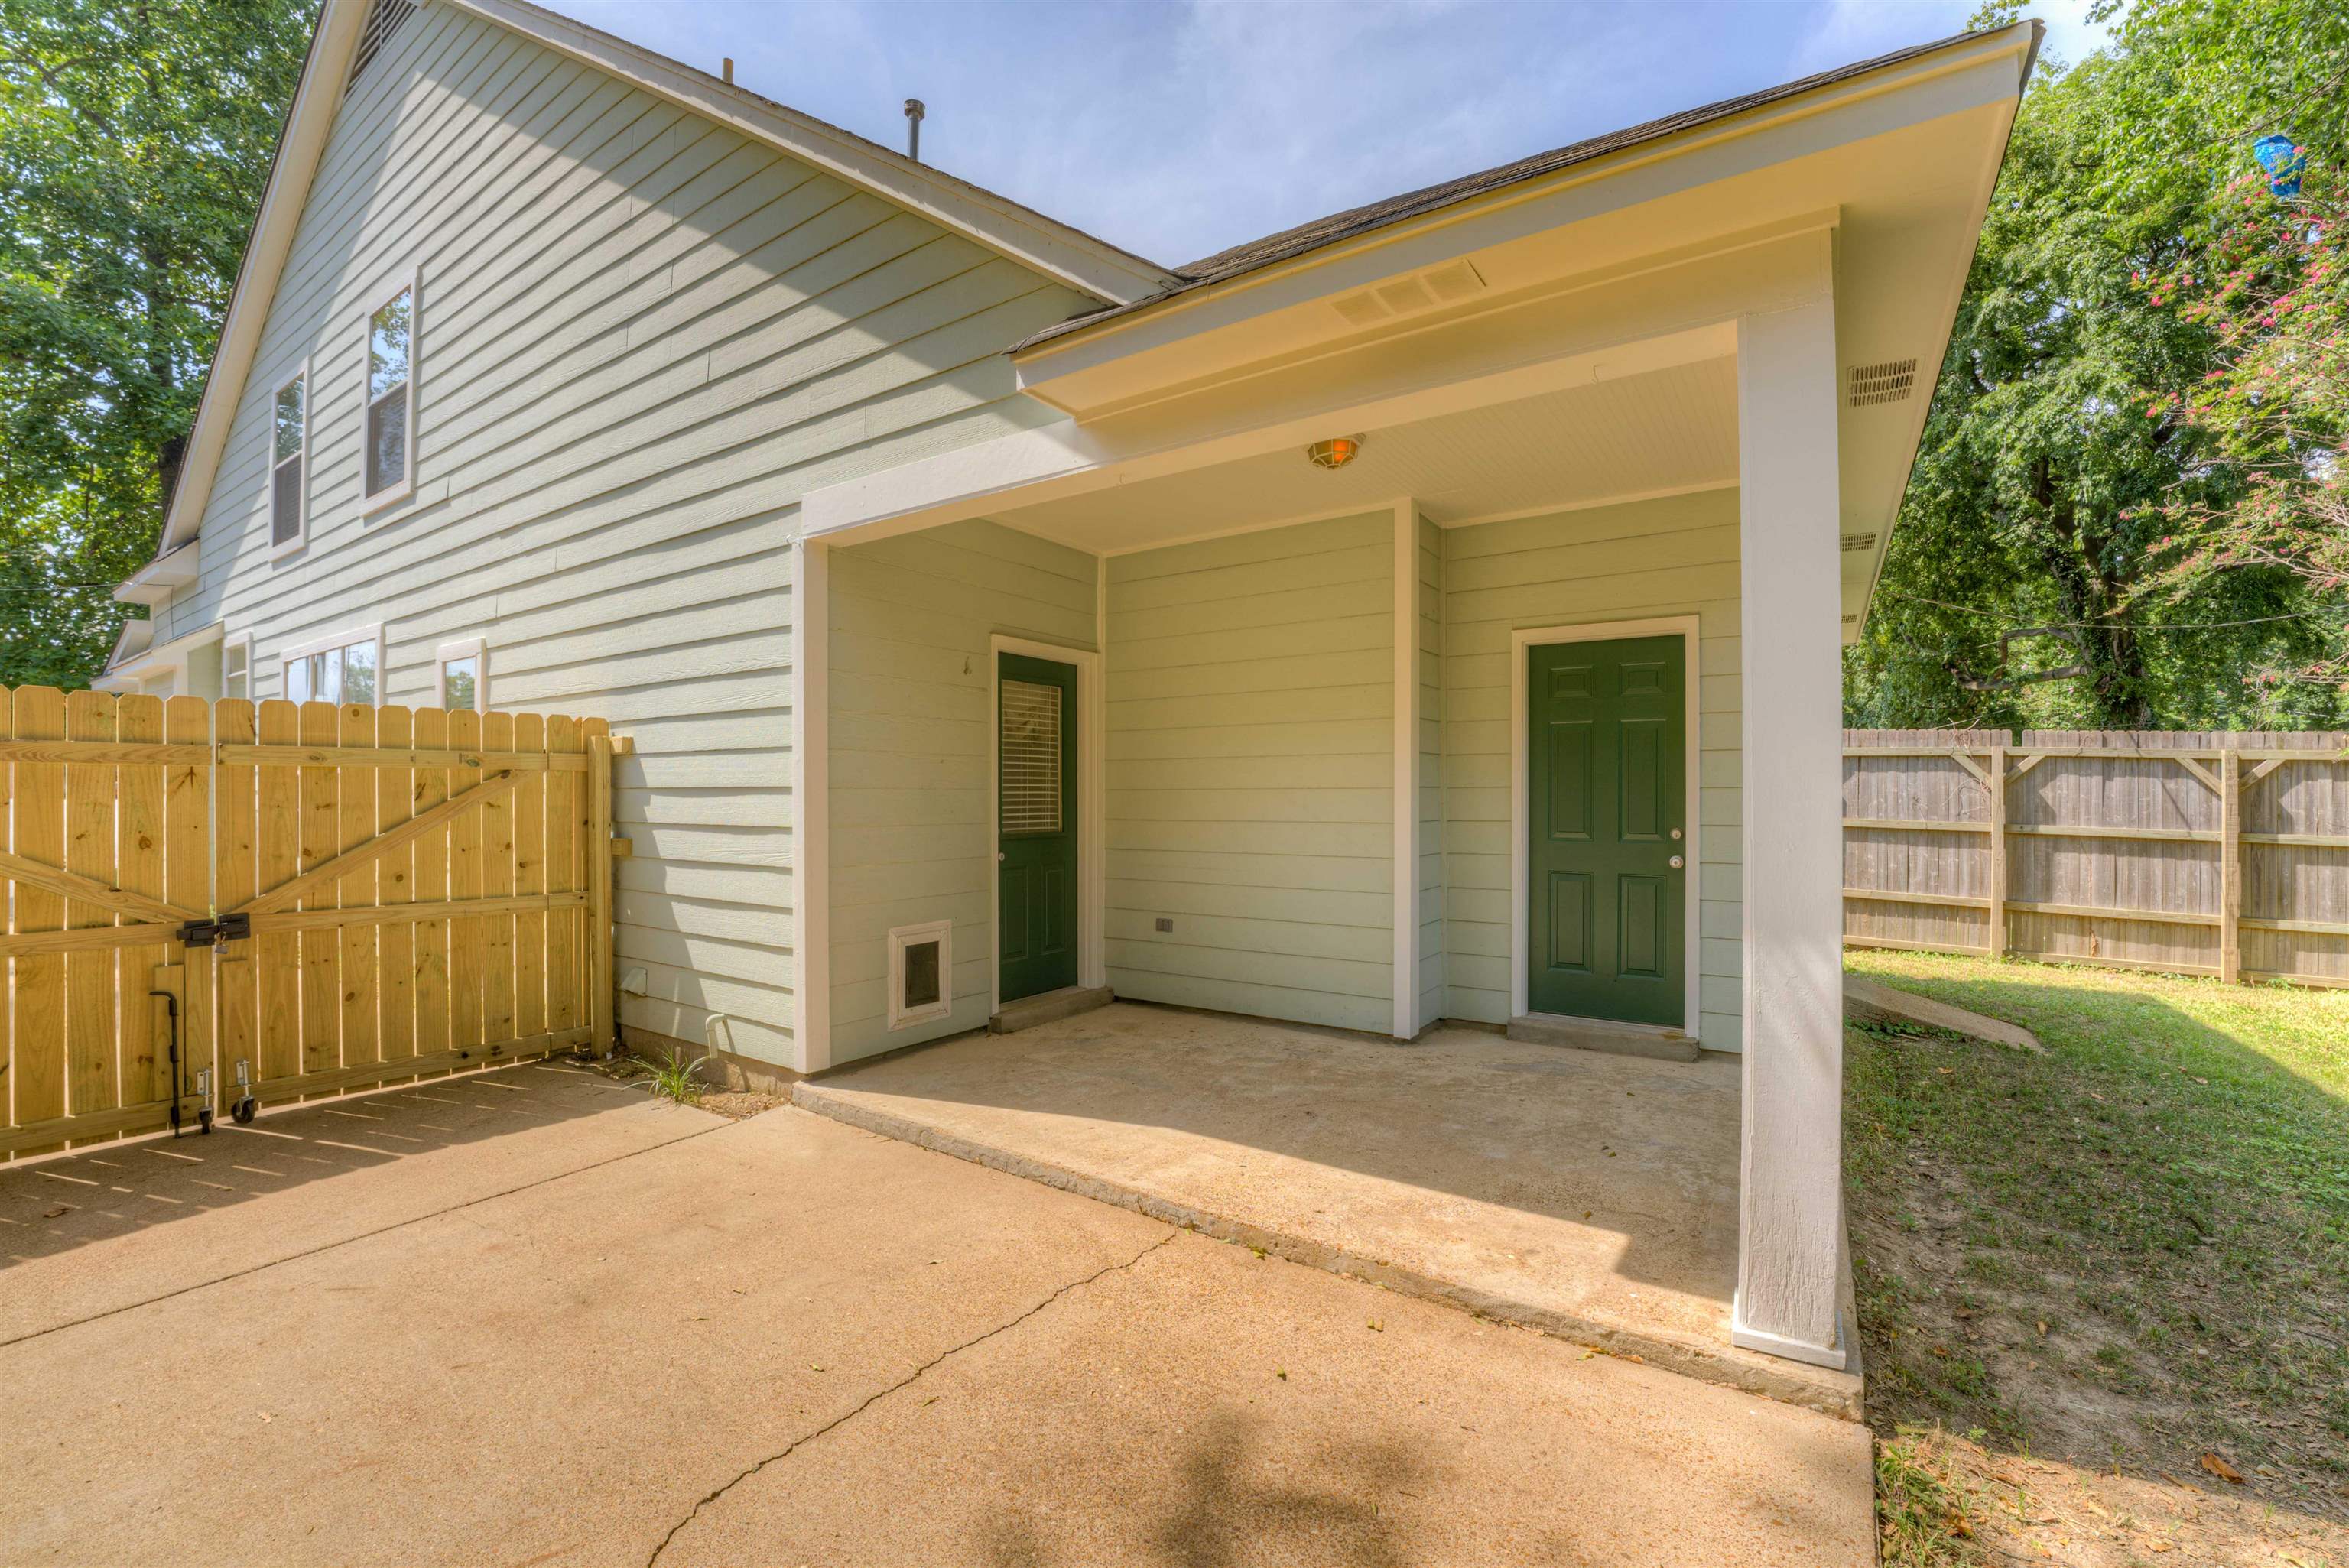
(1029, 795)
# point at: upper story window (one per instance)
(390, 426)
(289, 462)
(345, 667)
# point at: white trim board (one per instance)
(811, 776)
(1092, 839)
(1687, 628)
(1404, 981)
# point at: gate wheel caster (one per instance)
(241, 1111)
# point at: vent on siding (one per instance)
(383, 20)
(1890, 382)
(1852, 542)
(1030, 798)
(1447, 284)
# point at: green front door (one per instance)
(1036, 824)
(1605, 797)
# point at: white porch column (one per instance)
(811, 809)
(1790, 1198)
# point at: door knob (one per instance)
(1676, 863)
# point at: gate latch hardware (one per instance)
(218, 933)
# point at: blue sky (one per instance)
(1176, 130)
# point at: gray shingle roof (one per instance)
(1306, 237)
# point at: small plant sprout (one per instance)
(674, 1079)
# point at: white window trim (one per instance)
(278, 552)
(474, 649)
(1690, 630)
(393, 494)
(339, 640)
(244, 640)
(904, 936)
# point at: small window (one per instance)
(344, 669)
(464, 677)
(236, 666)
(289, 463)
(921, 970)
(390, 426)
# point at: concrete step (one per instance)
(1617, 1039)
(1048, 1006)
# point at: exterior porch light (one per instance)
(1334, 453)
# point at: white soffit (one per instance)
(1665, 431)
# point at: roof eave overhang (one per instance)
(1122, 357)
(300, 145)
(1070, 256)
(154, 583)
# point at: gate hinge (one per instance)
(218, 933)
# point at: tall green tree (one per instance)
(2040, 487)
(135, 140)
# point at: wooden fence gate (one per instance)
(292, 899)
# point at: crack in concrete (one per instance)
(908, 1380)
(456, 1209)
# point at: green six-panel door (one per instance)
(1036, 824)
(1607, 848)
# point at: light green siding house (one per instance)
(1430, 613)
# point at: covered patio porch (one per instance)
(1586, 1195)
(1431, 617)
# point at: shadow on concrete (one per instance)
(56, 1205)
(1638, 1158)
(1226, 1512)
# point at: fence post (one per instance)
(2230, 867)
(1997, 933)
(600, 989)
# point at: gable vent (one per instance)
(1447, 284)
(1851, 542)
(383, 18)
(1890, 382)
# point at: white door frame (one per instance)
(1686, 627)
(1093, 965)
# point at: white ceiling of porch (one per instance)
(1663, 430)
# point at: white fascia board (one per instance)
(147, 662)
(135, 638)
(1072, 257)
(1928, 88)
(1066, 459)
(299, 148)
(154, 583)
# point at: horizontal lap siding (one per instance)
(1251, 773)
(1642, 561)
(641, 339)
(910, 715)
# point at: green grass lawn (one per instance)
(2132, 1251)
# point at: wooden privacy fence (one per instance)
(307, 898)
(2193, 854)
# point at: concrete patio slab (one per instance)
(1205, 1406)
(175, 1213)
(785, 1340)
(1592, 1196)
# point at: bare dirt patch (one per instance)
(2105, 1294)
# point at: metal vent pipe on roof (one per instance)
(913, 112)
